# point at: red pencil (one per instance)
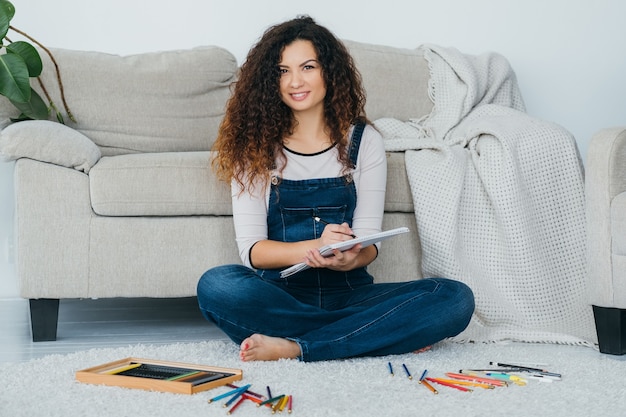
(447, 384)
(242, 399)
(490, 381)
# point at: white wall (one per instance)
(569, 55)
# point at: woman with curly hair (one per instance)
(306, 170)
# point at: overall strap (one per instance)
(355, 142)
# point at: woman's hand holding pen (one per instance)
(341, 261)
(334, 233)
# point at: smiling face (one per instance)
(302, 86)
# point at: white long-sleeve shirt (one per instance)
(370, 179)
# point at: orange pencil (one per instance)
(491, 381)
(430, 387)
(448, 384)
(470, 383)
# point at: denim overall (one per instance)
(330, 314)
(292, 208)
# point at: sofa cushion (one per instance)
(396, 80)
(152, 102)
(618, 224)
(158, 184)
(50, 142)
(183, 184)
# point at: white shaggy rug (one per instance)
(592, 385)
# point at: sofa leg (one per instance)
(44, 316)
(611, 329)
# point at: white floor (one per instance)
(86, 324)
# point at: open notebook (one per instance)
(346, 245)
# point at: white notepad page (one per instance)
(327, 250)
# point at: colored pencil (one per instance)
(408, 374)
(271, 400)
(123, 368)
(466, 383)
(242, 399)
(423, 375)
(229, 393)
(476, 378)
(430, 387)
(447, 384)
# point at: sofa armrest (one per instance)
(605, 178)
(50, 142)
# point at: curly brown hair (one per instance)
(249, 141)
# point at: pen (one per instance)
(527, 369)
(506, 365)
(408, 374)
(290, 406)
(319, 219)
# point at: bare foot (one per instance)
(259, 347)
(424, 349)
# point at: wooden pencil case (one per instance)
(157, 375)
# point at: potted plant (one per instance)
(21, 62)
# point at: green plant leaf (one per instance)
(30, 56)
(14, 79)
(7, 11)
(35, 108)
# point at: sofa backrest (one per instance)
(395, 79)
(174, 100)
(152, 102)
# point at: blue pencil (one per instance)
(229, 393)
(423, 375)
(408, 374)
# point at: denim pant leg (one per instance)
(392, 318)
(376, 319)
(241, 303)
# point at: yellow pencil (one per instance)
(283, 403)
(279, 404)
(123, 368)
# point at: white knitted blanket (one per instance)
(499, 202)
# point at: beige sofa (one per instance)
(122, 203)
(606, 225)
